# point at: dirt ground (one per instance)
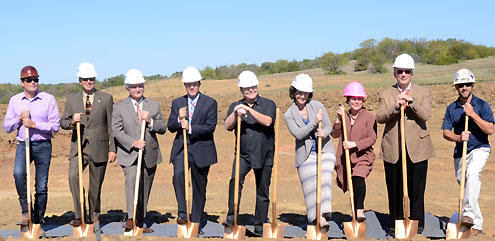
(441, 192)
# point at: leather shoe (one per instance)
(23, 219)
(467, 221)
(76, 222)
(229, 222)
(128, 224)
(361, 219)
(181, 221)
(148, 230)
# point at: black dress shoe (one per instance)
(258, 230)
(361, 219)
(391, 232)
(420, 230)
(181, 221)
(228, 223)
(76, 222)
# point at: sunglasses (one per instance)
(31, 80)
(464, 84)
(407, 71)
(87, 79)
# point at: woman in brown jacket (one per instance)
(361, 135)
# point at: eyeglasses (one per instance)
(29, 80)
(135, 86)
(86, 79)
(407, 71)
(464, 84)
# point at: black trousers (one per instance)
(199, 180)
(263, 178)
(416, 184)
(359, 188)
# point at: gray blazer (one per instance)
(126, 129)
(98, 129)
(305, 134)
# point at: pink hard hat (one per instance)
(354, 89)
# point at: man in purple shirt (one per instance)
(37, 111)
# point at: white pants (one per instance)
(475, 161)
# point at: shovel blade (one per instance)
(458, 231)
(273, 230)
(83, 231)
(405, 229)
(189, 230)
(34, 233)
(355, 229)
(237, 232)
(313, 234)
(136, 231)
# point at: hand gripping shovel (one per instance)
(85, 229)
(352, 229)
(274, 229)
(236, 232)
(31, 231)
(314, 232)
(457, 230)
(190, 229)
(137, 231)
(405, 229)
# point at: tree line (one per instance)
(370, 56)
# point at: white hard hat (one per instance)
(134, 76)
(404, 61)
(86, 70)
(191, 74)
(303, 82)
(247, 79)
(464, 76)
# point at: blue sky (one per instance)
(162, 37)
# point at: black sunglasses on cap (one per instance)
(464, 84)
(29, 80)
(407, 71)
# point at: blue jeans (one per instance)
(41, 153)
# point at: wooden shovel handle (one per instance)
(404, 163)
(237, 167)
(275, 170)
(138, 172)
(186, 172)
(463, 170)
(348, 167)
(28, 177)
(80, 171)
(318, 182)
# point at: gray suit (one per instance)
(95, 143)
(126, 129)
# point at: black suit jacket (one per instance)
(200, 141)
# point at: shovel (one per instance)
(457, 230)
(236, 232)
(407, 228)
(190, 229)
(85, 229)
(352, 229)
(31, 231)
(274, 229)
(137, 231)
(314, 232)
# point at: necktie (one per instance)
(138, 111)
(87, 107)
(191, 109)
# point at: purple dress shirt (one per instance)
(43, 110)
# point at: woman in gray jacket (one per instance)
(302, 118)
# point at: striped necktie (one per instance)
(87, 107)
(191, 109)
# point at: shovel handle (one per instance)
(404, 163)
(237, 167)
(318, 179)
(80, 171)
(463, 170)
(27, 141)
(138, 172)
(275, 170)
(348, 167)
(186, 172)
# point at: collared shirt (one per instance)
(406, 90)
(192, 101)
(43, 110)
(257, 141)
(133, 101)
(91, 97)
(455, 118)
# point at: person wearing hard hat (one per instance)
(38, 111)
(196, 113)
(480, 126)
(302, 119)
(416, 100)
(361, 136)
(93, 110)
(257, 145)
(126, 128)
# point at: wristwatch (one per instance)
(412, 100)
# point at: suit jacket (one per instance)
(126, 129)
(201, 144)
(418, 142)
(97, 130)
(305, 134)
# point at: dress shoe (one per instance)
(23, 219)
(467, 221)
(229, 222)
(361, 219)
(391, 232)
(148, 230)
(76, 222)
(420, 230)
(128, 224)
(258, 230)
(181, 221)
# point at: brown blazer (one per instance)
(362, 158)
(419, 146)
